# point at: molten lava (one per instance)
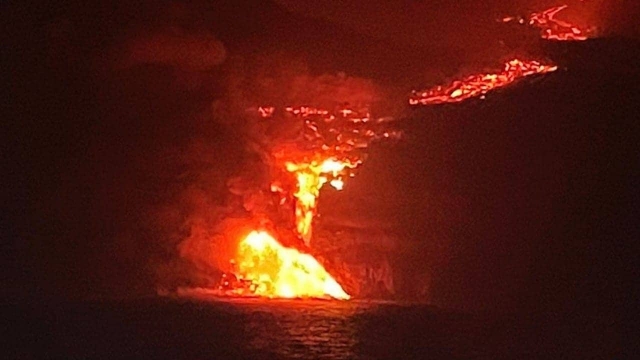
(326, 150)
(310, 178)
(329, 148)
(479, 85)
(341, 131)
(269, 269)
(552, 28)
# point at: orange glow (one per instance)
(325, 151)
(328, 150)
(269, 269)
(555, 29)
(552, 28)
(479, 85)
(266, 111)
(310, 178)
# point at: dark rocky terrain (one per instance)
(523, 200)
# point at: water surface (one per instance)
(169, 328)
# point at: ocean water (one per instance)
(179, 328)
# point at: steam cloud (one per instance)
(222, 200)
(115, 167)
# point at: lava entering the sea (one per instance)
(264, 267)
(327, 150)
(480, 84)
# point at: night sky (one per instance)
(121, 126)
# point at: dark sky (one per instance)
(121, 127)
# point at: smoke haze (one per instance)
(131, 157)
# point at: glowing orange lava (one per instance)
(310, 178)
(325, 151)
(552, 28)
(328, 151)
(479, 85)
(269, 269)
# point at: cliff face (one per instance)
(360, 258)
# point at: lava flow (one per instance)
(552, 28)
(330, 149)
(325, 151)
(480, 84)
(311, 177)
(266, 268)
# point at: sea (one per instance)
(253, 328)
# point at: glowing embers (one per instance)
(555, 29)
(342, 129)
(478, 85)
(310, 177)
(267, 268)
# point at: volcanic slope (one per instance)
(526, 200)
